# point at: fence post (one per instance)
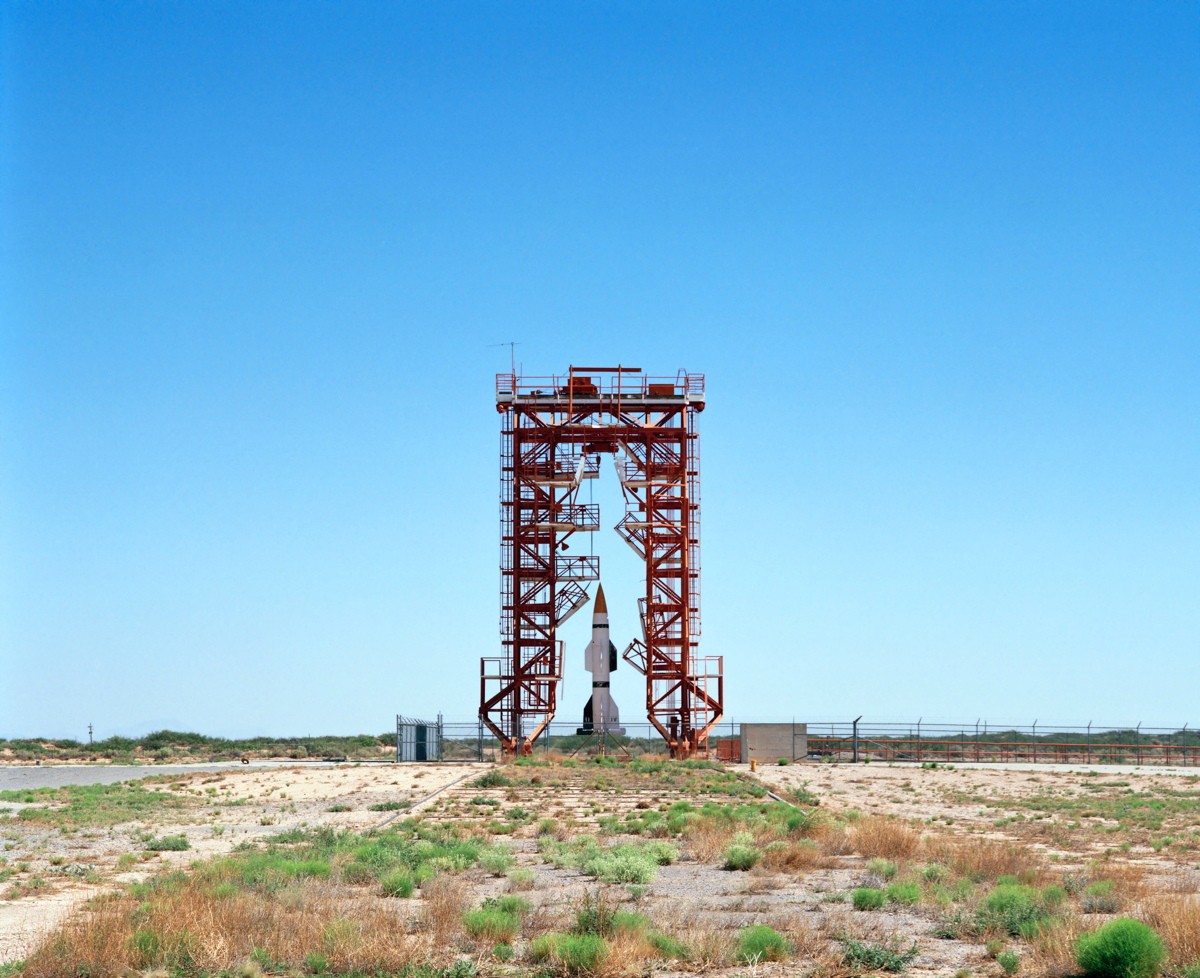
(1139, 742)
(856, 738)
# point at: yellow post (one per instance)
(754, 765)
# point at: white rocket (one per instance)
(600, 659)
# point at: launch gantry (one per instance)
(554, 431)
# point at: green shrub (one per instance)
(663, 853)
(521, 879)
(905, 893)
(934, 873)
(1123, 948)
(801, 823)
(491, 924)
(1014, 909)
(502, 952)
(573, 953)
(1009, 962)
(580, 953)
(741, 857)
(784, 762)
(884, 956)
(882, 867)
(515, 905)
(496, 861)
(316, 963)
(387, 806)
(621, 866)
(356, 873)
(668, 947)
(1099, 897)
(1053, 897)
(867, 898)
(397, 883)
(169, 843)
(1007, 897)
(492, 779)
(594, 915)
(758, 943)
(541, 949)
(145, 944)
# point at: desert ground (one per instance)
(695, 855)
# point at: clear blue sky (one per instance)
(939, 261)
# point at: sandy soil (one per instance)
(284, 797)
(233, 805)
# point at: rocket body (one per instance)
(600, 659)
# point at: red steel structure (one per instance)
(554, 431)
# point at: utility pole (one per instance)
(89, 733)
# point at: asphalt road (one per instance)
(23, 777)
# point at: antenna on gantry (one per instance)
(512, 353)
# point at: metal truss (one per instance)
(554, 431)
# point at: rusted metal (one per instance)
(554, 431)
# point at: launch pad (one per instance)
(554, 431)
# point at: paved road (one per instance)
(23, 777)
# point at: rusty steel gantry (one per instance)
(554, 431)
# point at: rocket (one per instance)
(600, 659)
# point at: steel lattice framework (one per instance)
(554, 431)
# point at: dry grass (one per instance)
(445, 899)
(1177, 919)
(1052, 952)
(709, 838)
(710, 948)
(838, 842)
(885, 837)
(1185, 882)
(983, 859)
(1128, 878)
(797, 859)
(628, 952)
(190, 922)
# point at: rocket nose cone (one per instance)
(601, 608)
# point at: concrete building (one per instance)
(768, 742)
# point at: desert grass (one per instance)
(798, 857)
(184, 922)
(984, 859)
(444, 900)
(885, 837)
(1177, 920)
(1051, 951)
(709, 838)
(1128, 878)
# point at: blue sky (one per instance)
(938, 261)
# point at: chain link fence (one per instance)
(918, 741)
